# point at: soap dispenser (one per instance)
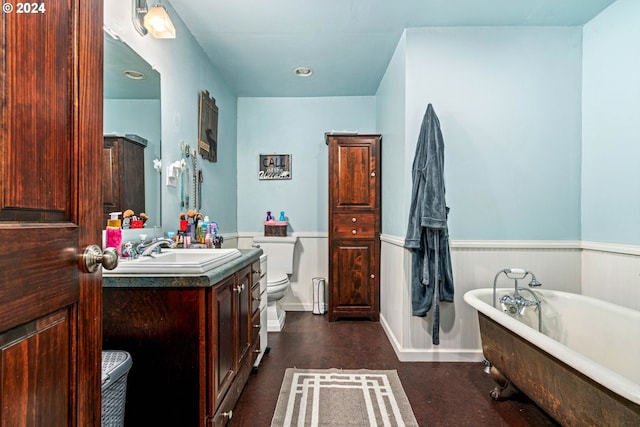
(114, 232)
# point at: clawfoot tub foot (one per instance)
(504, 387)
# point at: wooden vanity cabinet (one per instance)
(354, 226)
(123, 175)
(190, 348)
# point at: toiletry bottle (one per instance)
(282, 218)
(269, 217)
(114, 232)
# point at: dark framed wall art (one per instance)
(208, 127)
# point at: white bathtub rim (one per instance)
(611, 380)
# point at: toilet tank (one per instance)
(279, 252)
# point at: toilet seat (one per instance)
(276, 279)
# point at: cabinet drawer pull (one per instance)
(354, 219)
(256, 326)
(228, 414)
(373, 276)
(255, 299)
(257, 351)
(354, 232)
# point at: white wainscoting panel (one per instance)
(557, 266)
(610, 275)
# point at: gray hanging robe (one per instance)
(427, 233)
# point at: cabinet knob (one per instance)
(373, 174)
(257, 351)
(373, 276)
(228, 414)
(354, 219)
(354, 232)
(256, 326)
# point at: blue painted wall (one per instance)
(390, 119)
(293, 126)
(611, 111)
(509, 104)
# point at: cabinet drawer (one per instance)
(354, 226)
(255, 273)
(255, 299)
(255, 329)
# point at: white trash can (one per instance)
(319, 285)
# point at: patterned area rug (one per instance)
(336, 397)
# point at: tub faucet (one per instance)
(517, 303)
(148, 248)
(515, 274)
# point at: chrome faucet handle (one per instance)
(155, 245)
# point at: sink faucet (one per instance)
(147, 248)
(517, 303)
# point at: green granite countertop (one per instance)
(183, 281)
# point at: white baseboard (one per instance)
(429, 355)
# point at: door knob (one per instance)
(93, 257)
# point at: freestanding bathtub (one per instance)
(583, 369)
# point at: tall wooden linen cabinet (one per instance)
(354, 226)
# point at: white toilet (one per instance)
(279, 251)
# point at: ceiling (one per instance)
(118, 58)
(256, 44)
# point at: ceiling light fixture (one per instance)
(134, 74)
(159, 24)
(155, 20)
(302, 72)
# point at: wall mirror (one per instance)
(132, 110)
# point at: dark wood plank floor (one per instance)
(441, 394)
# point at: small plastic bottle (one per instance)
(282, 217)
(114, 232)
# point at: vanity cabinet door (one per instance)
(223, 340)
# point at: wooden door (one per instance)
(50, 209)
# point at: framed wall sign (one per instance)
(274, 166)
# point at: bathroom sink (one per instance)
(176, 262)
